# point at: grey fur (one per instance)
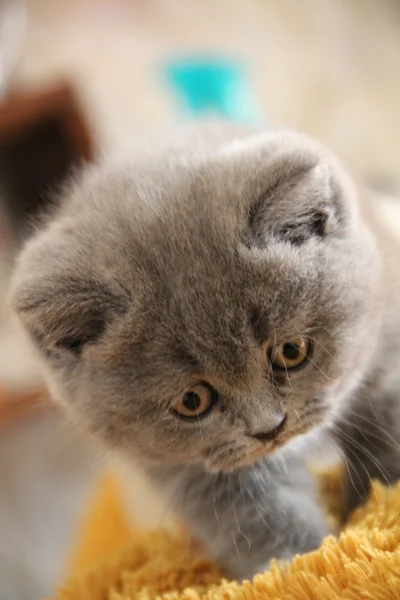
(178, 265)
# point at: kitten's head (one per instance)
(206, 302)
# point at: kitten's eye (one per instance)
(195, 402)
(289, 355)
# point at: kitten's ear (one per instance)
(63, 312)
(302, 196)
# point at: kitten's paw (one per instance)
(306, 537)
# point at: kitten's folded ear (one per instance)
(61, 309)
(301, 192)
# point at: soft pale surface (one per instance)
(114, 562)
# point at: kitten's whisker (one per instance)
(274, 336)
(360, 447)
(324, 348)
(231, 500)
(284, 363)
(319, 369)
(348, 462)
(262, 477)
(364, 434)
(377, 426)
(270, 368)
(236, 548)
(200, 426)
(360, 462)
(215, 503)
(314, 341)
(287, 375)
(241, 487)
(366, 453)
(282, 460)
(372, 408)
(238, 525)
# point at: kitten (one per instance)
(205, 304)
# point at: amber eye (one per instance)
(195, 402)
(290, 354)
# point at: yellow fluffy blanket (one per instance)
(114, 562)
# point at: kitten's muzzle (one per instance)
(272, 434)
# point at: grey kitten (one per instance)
(206, 304)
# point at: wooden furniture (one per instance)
(43, 136)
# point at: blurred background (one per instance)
(79, 77)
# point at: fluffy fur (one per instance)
(180, 265)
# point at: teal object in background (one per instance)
(212, 87)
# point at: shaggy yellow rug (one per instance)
(112, 561)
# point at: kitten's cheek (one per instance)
(224, 458)
(228, 457)
(261, 452)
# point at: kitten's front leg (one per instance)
(248, 517)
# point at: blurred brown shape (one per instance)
(22, 404)
(43, 137)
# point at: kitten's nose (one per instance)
(268, 436)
